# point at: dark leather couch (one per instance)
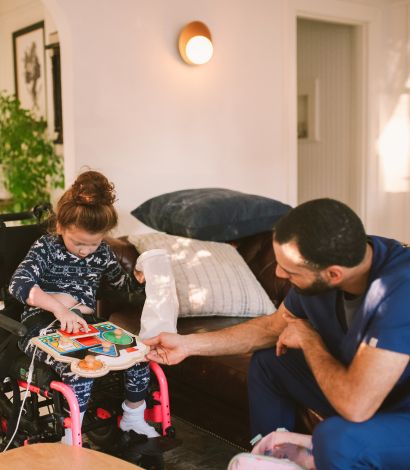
(210, 392)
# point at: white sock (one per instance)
(68, 435)
(133, 419)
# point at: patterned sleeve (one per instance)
(30, 270)
(115, 275)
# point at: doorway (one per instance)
(330, 136)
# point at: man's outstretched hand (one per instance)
(167, 348)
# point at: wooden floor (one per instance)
(199, 450)
(194, 449)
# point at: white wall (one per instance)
(154, 124)
(391, 202)
(14, 15)
(385, 33)
(133, 110)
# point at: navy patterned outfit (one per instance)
(50, 266)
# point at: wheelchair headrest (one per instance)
(15, 241)
(14, 245)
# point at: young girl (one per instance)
(59, 278)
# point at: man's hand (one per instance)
(254, 334)
(167, 348)
(297, 333)
(70, 321)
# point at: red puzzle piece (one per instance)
(91, 332)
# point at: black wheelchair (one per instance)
(40, 411)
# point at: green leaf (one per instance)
(31, 165)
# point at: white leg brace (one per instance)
(161, 307)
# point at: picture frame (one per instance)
(53, 49)
(30, 68)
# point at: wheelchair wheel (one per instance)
(104, 436)
(103, 411)
(103, 430)
(4, 423)
(170, 432)
(8, 421)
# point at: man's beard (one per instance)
(318, 286)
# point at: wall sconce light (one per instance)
(195, 43)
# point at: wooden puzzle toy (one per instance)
(95, 352)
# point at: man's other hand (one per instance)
(296, 334)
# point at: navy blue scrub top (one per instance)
(382, 320)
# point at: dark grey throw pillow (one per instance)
(214, 214)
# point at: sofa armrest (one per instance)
(110, 301)
(257, 251)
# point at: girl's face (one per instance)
(79, 242)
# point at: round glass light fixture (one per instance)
(195, 43)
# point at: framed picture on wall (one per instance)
(53, 48)
(29, 68)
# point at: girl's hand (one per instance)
(139, 276)
(71, 322)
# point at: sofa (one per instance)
(208, 392)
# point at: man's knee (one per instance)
(263, 369)
(334, 444)
(261, 359)
(266, 363)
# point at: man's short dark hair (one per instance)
(326, 232)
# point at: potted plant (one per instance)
(31, 167)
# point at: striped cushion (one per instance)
(211, 278)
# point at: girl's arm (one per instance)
(116, 276)
(24, 286)
(31, 270)
(69, 321)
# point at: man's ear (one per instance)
(334, 274)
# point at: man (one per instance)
(341, 336)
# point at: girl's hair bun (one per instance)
(88, 204)
(92, 188)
